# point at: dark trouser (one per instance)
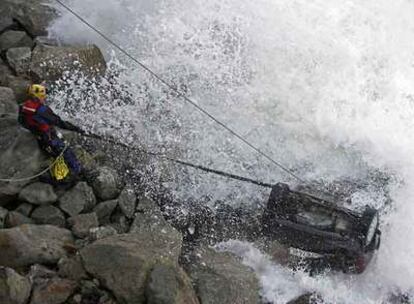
(54, 146)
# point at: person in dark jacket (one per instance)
(40, 119)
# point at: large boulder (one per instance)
(34, 15)
(20, 157)
(51, 62)
(52, 291)
(14, 39)
(38, 194)
(29, 244)
(78, 199)
(106, 183)
(15, 219)
(14, 289)
(168, 284)
(19, 59)
(49, 215)
(7, 101)
(220, 277)
(122, 263)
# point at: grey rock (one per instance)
(86, 59)
(38, 194)
(106, 184)
(308, 298)
(72, 268)
(168, 284)
(101, 232)
(25, 209)
(120, 222)
(30, 244)
(7, 101)
(39, 272)
(5, 72)
(122, 263)
(104, 211)
(47, 41)
(5, 21)
(19, 86)
(80, 198)
(48, 215)
(19, 59)
(35, 15)
(14, 288)
(13, 39)
(3, 215)
(52, 291)
(15, 219)
(220, 277)
(127, 201)
(82, 223)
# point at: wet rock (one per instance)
(19, 59)
(51, 62)
(14, 39)
(25, 209)
(308, 298)
(48, 215)
(19, 86)
(101, 232)
(122, 263)
(106, 184)
(72, 268)
(220, 277)
(7, 101)
(15, 219)
(38, 194)
(169, 285)
(80, 198)
(3, 215)
(127, 201)
(52, 291)
(104, 211)
(30, 244)
(82, 223)
(35, 15)
(45, 40)
(14, 288)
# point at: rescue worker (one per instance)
(38, 118)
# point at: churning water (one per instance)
(323, 86)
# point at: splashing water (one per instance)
(325, 87)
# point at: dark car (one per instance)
(321, 233)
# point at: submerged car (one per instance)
(320, 233)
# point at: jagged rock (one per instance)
(106, 183)
(308, 298)
(15, 219)
(3, 215)
(14, 39)
(34, 15)
(72, 268)
(7, 101)
(149, 219)
(51, 62)
(80, 198)
(104, 211)
(14, 289)
(4, 73)
(19, 59)
(38, 194)
(122, 263)
(38, 272)
(101, 232)
(25, 209)
(30, 244)
(52, 291)
(220, 277)
(49, 215)
(19, 86)
(169, 285)
(20, 157)
(120, 222)
(81, 224)
(127, 201)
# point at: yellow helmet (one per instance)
(37, 91)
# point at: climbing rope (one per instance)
(180, 94)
